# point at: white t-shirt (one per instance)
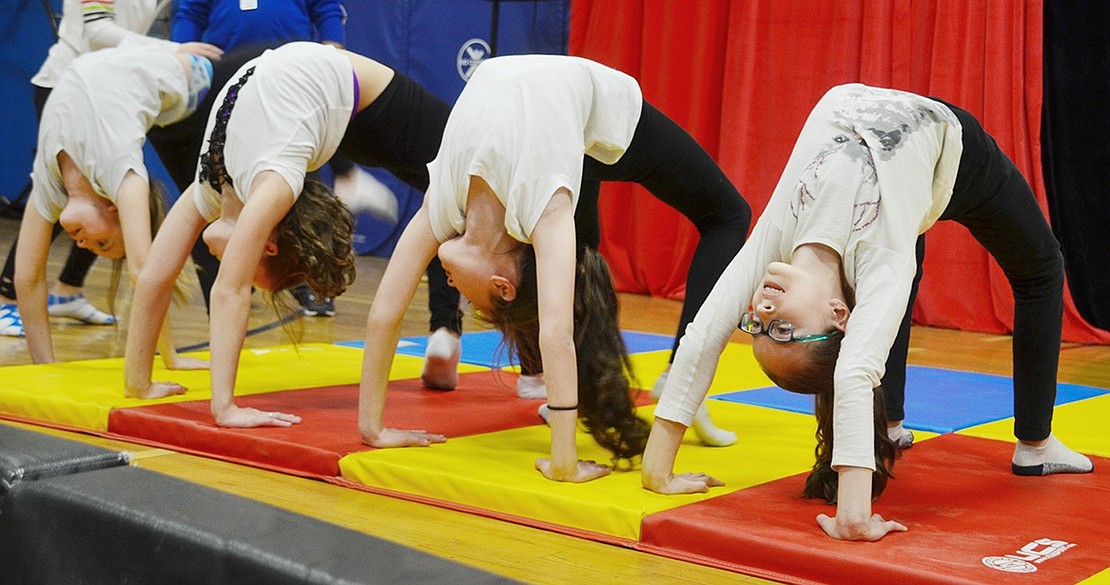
(867, 201)
(289, 118)
(523, 124)
(99, 114)
(90, 26)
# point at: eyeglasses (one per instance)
(779, 330)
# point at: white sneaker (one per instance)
(363, 193)
(441, 360)
(11, 325)
(79, 308)
(531, 387)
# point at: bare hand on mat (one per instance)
(872, 531)
(583, 472)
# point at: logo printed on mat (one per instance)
(1029, 556)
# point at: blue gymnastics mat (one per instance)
(937, 400)
(483, 348)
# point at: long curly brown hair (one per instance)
(314, 244)
(815, 376)
(605, 403)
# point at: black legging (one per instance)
(674, 168)
(79, 260)
(994, 202)
(401, 132)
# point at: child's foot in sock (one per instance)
(703, 426)
(77, 307)
(531, 386)
(1053, 457)
(545, 413)
(708, 432)
(441, 360)
(902, 437)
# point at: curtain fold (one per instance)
(741, 77)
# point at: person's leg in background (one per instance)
(894, 378)
(360, 191)
(401, 132)
(995, 203)
(674, 168)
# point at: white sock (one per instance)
(902, 437)
(531, 387)
(1053, 457)
(708, 432)
(545, 413)
(703, 426)
(441, 360)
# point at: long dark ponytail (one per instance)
(815, 376)
(605, 404)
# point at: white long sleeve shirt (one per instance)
(872, 169)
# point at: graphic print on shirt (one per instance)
(849, 152)
(885, 121)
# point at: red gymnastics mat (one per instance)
(482, 402)
(970, 521)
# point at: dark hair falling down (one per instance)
(815, 376)
(604, 401)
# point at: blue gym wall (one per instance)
(428, 40)
(25, 37)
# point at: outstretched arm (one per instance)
(854, 520)
(270, 199)
(414, 250)
(153, 289)
(30, 283)
(696, 362)
(554, 243)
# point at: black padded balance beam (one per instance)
(135, 526)
(29, 455)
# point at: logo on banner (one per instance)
(471, 55)
(1029, 556)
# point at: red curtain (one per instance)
(742, 76)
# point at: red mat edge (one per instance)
(166, 446)
(464, 508)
